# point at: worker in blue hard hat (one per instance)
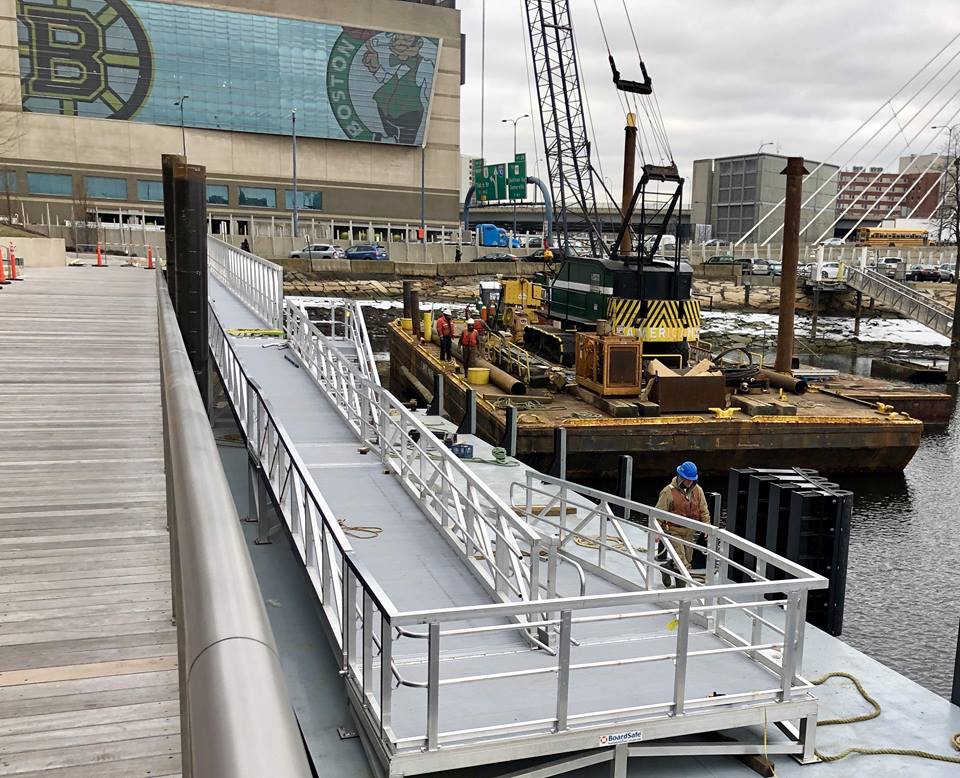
(684, 497)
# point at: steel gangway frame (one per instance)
(901, 297)
(516, 562)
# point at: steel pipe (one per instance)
(231, 678)
(784, 381)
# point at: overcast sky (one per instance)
(729, 74)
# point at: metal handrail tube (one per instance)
(230, 670)
(901, 290)
(710, 530)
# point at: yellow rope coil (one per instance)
(955, 740)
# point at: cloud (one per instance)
(729, 75)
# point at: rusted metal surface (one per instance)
(829, 433)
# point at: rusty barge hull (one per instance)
(854, 441)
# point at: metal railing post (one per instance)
(433, 686)
(563, 670)
(680, 670)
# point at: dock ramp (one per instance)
(902, 298)
(475, 627)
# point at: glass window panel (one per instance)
(50, 184)
(150, 191)
(106, 188)
(8, 181)
(258, 197)
(218, 194)
(750, 179)
(312, 201)
(738, 166)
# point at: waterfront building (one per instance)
(102, 88)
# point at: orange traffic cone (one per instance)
(149, 257)
(13, 263)
(3, 278)
(100, 262)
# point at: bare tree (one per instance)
(83, 233)
(947, 215)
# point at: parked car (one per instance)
(776, 268)
(923, 273)
(716, 242)
(367, 251)
(829, 271)
(720, 259)
(834, 242)
(498, 256)
(755, 266)
(948, 272)
(888, 266)
(318, 251)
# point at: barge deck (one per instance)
(829, 433)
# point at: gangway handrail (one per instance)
(898, 289)
(367, 626)
(256, 282)
(230, 672)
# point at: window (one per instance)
(218, 194)
(150, 191)
(8, 181)
(257, 197)
(50, 184)
(106, 188)
(312, 201)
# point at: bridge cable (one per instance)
(853, 134)
(868, 141)
(906, 148)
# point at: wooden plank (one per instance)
(12, 729)
(90, 650)
(141, 767)
(95, 755)
(81, 687)
(38, 590)
(90, 670)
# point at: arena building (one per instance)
(92, 93)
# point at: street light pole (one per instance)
(764, 145)
(296, 203)
(183, 131)
(514, 121)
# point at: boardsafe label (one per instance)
(616, 738)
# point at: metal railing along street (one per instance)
(903, 298)
(255, 281)
(230, 673)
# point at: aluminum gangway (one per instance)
(902, 298)
(475, 627)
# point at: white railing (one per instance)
(903, 298)
(255, 281)
(347, 323)
(516, 553)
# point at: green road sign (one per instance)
(500, 182)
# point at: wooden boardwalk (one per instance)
(88, 655)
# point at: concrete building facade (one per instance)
(733, 194)
(91, 97)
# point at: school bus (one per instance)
(890, 236)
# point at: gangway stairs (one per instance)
(474, 625)
(902, 298)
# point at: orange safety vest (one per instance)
(479, 326)
(468, 338)
(444, 328)
(682, 505)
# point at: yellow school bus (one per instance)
(891, 236)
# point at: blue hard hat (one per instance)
(687, 471)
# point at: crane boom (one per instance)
(565, 140)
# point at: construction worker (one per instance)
(547, 254)
(445, 332)
(684, 497)
(468, 345)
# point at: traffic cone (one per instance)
(3, 278)
(149, 257)
(100, 262)
(13, 264)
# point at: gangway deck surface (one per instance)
(416, 569)
(88, 653)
